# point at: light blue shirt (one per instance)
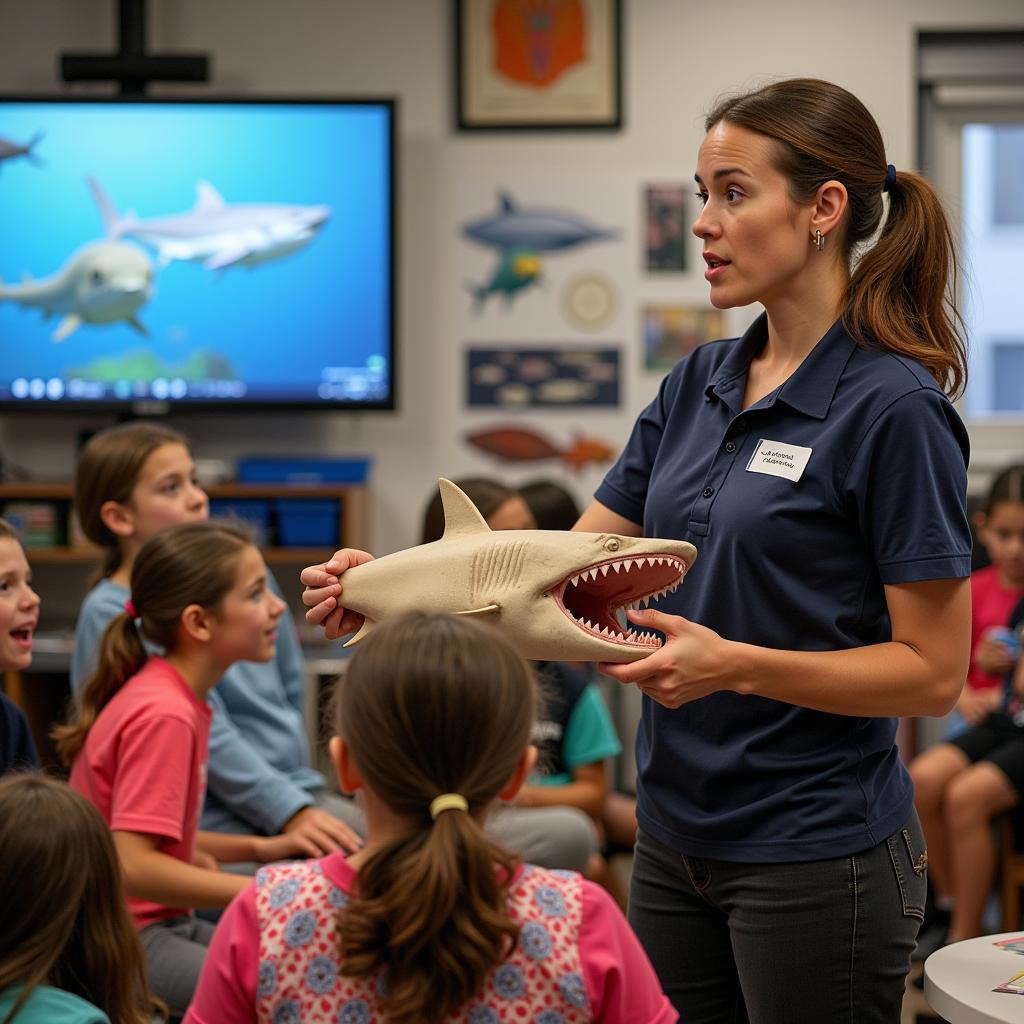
(258, 772)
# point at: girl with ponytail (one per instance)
(431, 921)
(138, 744)
(819, 467)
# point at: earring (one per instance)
(819, 241)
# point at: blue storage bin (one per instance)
(303, 471)
(308, 522)
(255, 512)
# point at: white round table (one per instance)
(958, 981)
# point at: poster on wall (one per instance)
(666, 228)
(521, 236)
(511, 443)
(671, 332)
(535, 64)
(531, 378)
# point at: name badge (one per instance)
(778, 459)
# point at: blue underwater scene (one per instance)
(195, 251)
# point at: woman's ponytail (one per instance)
(900, 294)
(121, 655)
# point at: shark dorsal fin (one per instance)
(207, 198)
(508, 204)
(461, 516)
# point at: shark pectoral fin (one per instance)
(364, 629)
(461, 516)
(226, 257)
(67, 326)
(139, 326)
(488, 609)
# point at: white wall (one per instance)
(678, 57)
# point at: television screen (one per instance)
(201, 253)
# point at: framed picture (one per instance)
(671, 332)
(538, 64)
(666, 232)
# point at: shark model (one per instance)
(553, 594)
(9, 150)
(217, 234)
(101, 283)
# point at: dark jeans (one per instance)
(782, 943)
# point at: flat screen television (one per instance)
(164, 254)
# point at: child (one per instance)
(961, 784)
(19, 614)
(68, 951)
(133, 480)
(554, 508)
(994, 591)
(432, 921)
(554, 819)
(138, 747)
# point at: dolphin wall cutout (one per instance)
(555, 595)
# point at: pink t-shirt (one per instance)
(274, 956)
(144, 766)
(991, 605)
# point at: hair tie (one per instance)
(890, 178)
(447, 802)
(130, 609)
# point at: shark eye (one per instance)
(96, 277)
(612, 544)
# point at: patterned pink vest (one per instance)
(541, 981)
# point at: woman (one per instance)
(820, 469)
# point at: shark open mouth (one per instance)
(591, 598)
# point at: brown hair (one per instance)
(108, 469)
(553, 507)
(8, 532)
(901, 295)
(66, 923)
(433, 704)
(1008, 487)
(488, 496)
(190, 563)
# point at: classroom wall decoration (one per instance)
(671, 332)
(523, 235)
(521, 378)
(666, 228)
(511, 443)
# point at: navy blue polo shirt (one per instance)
(851, 475)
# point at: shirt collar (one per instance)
(812, 386)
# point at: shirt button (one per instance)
(708, 491)
(730, 446)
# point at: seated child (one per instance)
(960, 786)
(138, 747)
(132, 481)
(432, 921)
(68, 951)
(553, 819)
(19, 614)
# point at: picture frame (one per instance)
(528, 66)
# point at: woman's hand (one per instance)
(692, 663)
(323, 593)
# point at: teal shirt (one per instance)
(589, 737)
(50, 1006)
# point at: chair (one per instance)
(1011, 827)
